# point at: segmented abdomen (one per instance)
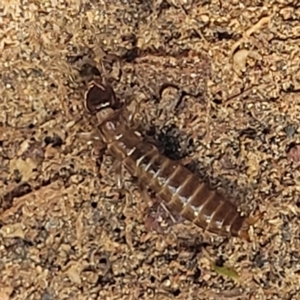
(178, 187)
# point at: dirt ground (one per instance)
(218, 82)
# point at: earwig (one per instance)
(178, 187)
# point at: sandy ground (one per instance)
(217, 82)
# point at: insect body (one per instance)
(181, 190)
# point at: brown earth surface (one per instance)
(217, 81)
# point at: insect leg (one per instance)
(185, 160)
(92, 138)
(255, 218)
(151, 221)
(144, 191)
(99, 147)
(133, 108)
(117, 168)
(156, 209)
(250, 221)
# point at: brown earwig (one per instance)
(179, 188)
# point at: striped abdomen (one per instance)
(175, 184)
